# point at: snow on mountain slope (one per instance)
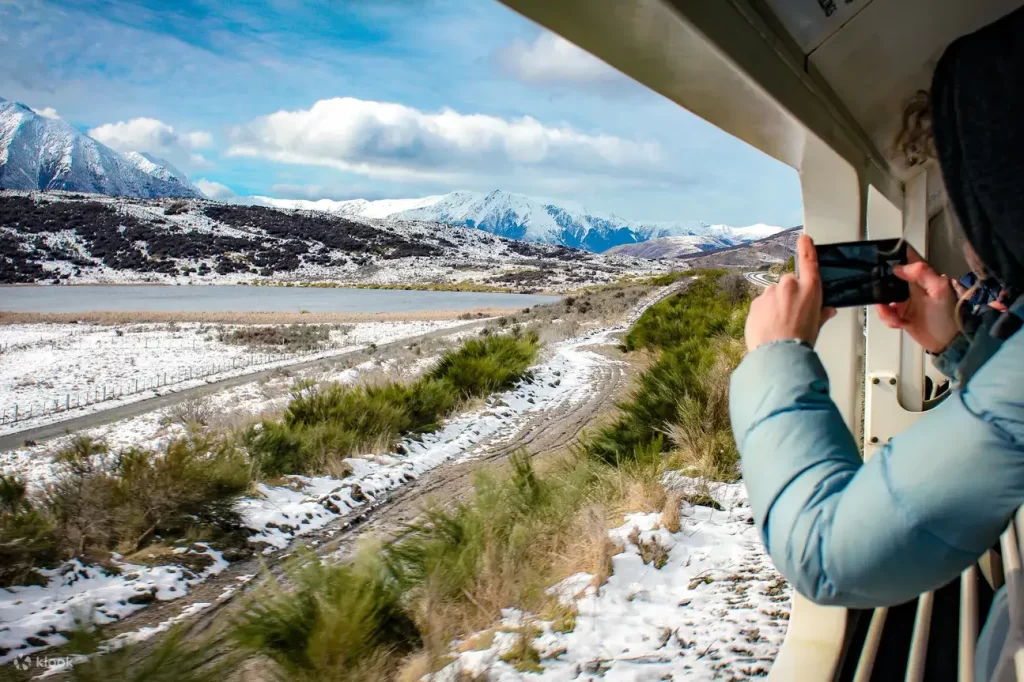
(360, 208)
(516, 216)
(50, 154)
(161, 169)
(668, 247)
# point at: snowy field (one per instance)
(716, 609)
(279, 513)
(72, 365)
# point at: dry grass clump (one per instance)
(293, 337)
(191, 413)
(670, 520)
(705, 447)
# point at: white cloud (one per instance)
(553, 59)
(214, 189)
(47, 112)
(397, 142)
(156, 137)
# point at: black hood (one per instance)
(977, 101)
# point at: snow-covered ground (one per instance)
(566, 377)
(281, 513)
(77, 364)
(716, 609)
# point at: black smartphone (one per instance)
(860, 273)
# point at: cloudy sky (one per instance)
(378, 99)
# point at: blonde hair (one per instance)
(915, 143)
(915, 146)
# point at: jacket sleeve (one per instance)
(948, 360)
(857, 534)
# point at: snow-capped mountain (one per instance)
(516, 216)
(670, 247)
(49, 153)
(161, 169)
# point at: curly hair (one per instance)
(915, 143)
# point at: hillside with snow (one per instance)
(516, 216)
(56, 237)
(39, 153)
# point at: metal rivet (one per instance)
(874, 439)
(892, 381)
(874, 380)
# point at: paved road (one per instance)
(87, 421)
(758, 279)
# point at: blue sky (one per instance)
(378, 99)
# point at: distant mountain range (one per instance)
(516, 216)
(38, 153)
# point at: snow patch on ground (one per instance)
(35, 617)
(715, 610)
(71, 364)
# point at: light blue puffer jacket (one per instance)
(877, 533)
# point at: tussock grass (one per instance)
(338, 623)
(124, 501)
(449, 574)
(173, 660)
(325, 424)
(681, 401)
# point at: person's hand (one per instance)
(929, 314)
(792, 308)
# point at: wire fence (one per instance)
(115, 390)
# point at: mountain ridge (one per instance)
(517, 216)
(40, 153)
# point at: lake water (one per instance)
(215, 298)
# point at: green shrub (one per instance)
(26, 534)
(102, 501)
(485, 365)
(699, 312)
(683, 328)
(334, 621)
(328, 423)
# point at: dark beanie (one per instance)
(977, 101)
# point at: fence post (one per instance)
(67, 402)
(15, 411)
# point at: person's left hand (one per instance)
(792, 308)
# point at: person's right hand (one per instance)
(929, 314)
